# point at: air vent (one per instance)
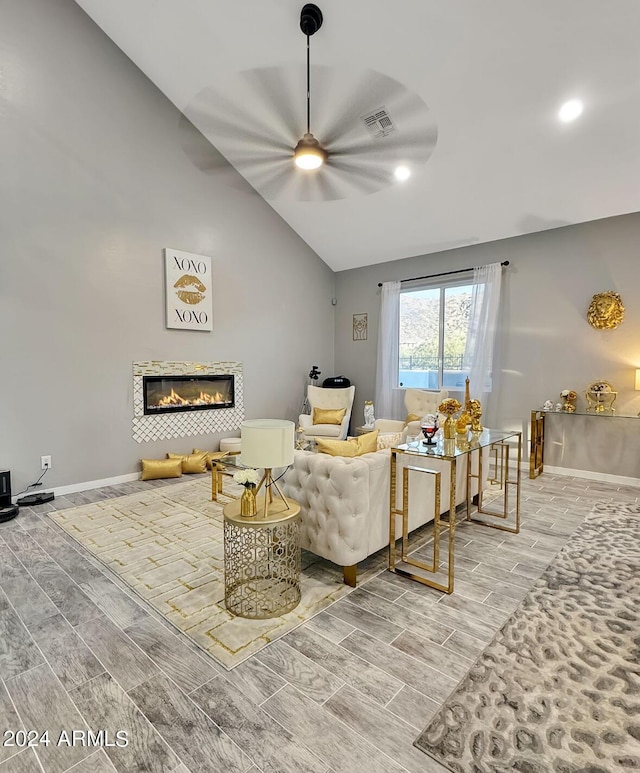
(379, 123)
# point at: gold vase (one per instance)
(449, 428)
(248, 502)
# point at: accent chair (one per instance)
(323, 400)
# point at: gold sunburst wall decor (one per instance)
(606, 310)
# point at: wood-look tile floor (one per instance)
(348, 690)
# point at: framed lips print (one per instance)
(188, 290)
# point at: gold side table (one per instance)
(450, 451)
(262, 560)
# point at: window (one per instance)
(433, 332)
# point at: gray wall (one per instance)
(99, 174)
(546, 344)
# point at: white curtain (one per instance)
(388, 343)
(483, 324)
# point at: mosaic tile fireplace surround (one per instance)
(223, 415)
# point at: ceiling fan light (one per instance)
(309, 154)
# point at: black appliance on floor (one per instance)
(7, 510)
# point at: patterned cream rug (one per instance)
(558, 688)
(167, 545)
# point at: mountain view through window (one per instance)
(433, 334)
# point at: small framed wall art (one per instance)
(188, 290)
(359, 327)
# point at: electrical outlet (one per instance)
(45, 462)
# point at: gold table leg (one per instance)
(536, 438)
(216, 481)
(505, 476)
(403, 512)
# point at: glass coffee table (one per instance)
(226, 465)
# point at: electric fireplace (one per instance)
(176, 394)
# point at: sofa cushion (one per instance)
(363, 444)
(389, 439)
(328, 415)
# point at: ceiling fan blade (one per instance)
(325, 188)
(281, 97)
(276, 182)
(222, 121)
(372, 177)
(401, 124)
(331, 183)
(344, 116)
(207, 159)
(417, 144)
(256, 118)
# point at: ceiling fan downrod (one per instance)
(308, 153)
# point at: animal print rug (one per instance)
(558, 688)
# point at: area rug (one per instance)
(558, 688)
(167, 545)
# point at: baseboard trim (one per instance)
(621, 480)
(91, 484)
(605, 477)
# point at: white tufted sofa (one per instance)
(345, 502)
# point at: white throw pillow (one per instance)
(389, 439)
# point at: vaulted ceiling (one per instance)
(473, 90)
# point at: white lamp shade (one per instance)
(638, 379)
(267, 442)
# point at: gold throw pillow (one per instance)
(364, 444)
(337, 447)
(328, 416)
(212, 456)
(412, 417)
(192, 463)
(368, 442)
(153, 469)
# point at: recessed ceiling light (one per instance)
(570, 110)
(402, 173)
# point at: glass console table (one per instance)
(505, 474)
(586, 443)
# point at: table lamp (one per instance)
(638, 383)
(267, 443)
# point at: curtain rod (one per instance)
(443, 273)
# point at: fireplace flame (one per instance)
(204, 398)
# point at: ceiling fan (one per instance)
(369, 131)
